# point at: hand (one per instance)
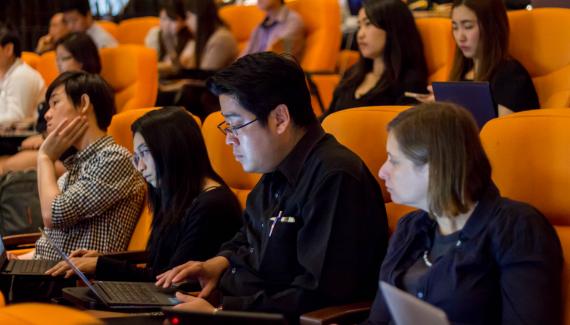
(84, 253)
(208, 274)
(32, 143)
(86, 265)
(423, 98)
(63, 137)
(44, 43)
(12, 256)
(191, 303)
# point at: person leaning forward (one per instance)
(315, 225)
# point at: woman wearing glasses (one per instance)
(194, 211)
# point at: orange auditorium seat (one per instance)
(109, 26)
(31, 59)
(241, 20)
(439, 46)
(134, 30)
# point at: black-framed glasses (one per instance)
(225, 128)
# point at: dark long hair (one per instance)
(493, 39)
(175, 10)
(403, 55)
(83, 50)
(181, 161)
(207, 23)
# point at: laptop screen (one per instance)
(70, 263)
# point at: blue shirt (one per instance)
(506, 269)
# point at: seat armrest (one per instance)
(21, 241)
(344, 314)
(134, 257)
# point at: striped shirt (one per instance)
(101, 198)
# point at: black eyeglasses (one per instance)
(225, 128)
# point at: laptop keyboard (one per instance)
(29, 266)
(128, 292)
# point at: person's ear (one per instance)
(282, 118)
(85, 104)
(9, 49)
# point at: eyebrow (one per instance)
(141, 146)
(230, 115)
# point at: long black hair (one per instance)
(403, 54)
(181, 161)
(83, 50)
(174, 10)
(207, 22)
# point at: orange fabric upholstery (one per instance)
(120, 128)
(139, 238)
(109, 26)
(363, 130)
(47, 67)
(326, 84)
(2, 302)
(241, 20)
(540, 40)
(132, 72)
(45, 314)
(30, 58)
(223, 160)
(346, 59)
(439, 46)
(134, 30)
(322, 23)
(543, 177)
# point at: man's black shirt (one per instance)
(314, 233)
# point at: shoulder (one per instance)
(26, 72)
(411, 223)
(220, 202)
(509, 68)
(223, 36)
(294, 17)
(331, 156)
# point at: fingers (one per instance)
(207, 289)
(78, 253)
(177, 274)
(184, 298)
(60, 268)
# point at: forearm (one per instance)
(47, 187)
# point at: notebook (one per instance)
(476, 97)
(409, 310)
(179, 317)
(23, 267)
(116, 294)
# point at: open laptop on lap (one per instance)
(409, 310)
(22, 267)
(476, 97)
(116, 294)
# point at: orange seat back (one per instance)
(323, 35)
(120, 127)
(30, 58)
(540, 40)
(134, 30)
(132, 72)
(110, 27)
(241, 20)
(47, 67)
(223, 160)
(45, 314)
(439, 46)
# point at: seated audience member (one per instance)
(96, 203)
(392, 59)
(481, 258)
(481, 32)
(170, 37)
(315, 224)
(194, 211)
(78, 18)
(57, 30)
(74, 52)
(282, 30)
(213, 46)
(21, 87)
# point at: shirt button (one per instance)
(276, 195)
(420, 295)
(234, 270)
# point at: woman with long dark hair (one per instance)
(481, 33)
(392, 59)
(213, 46)
(194, 212)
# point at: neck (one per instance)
(91, 135)
(289, 144)
(448, 225)
(7, 67)
(378, 67)
(272, 13)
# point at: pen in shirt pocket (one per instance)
(279, 216)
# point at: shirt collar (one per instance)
(281, 17)
(17, 62)
(89, 151)
(293, 164)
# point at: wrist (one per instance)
(217, 309)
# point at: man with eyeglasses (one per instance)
(95, 205)
(315, 228)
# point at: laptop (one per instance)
(23, 267)
(409, 310)
(476, 97)
(116, 294)
(179, 317)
